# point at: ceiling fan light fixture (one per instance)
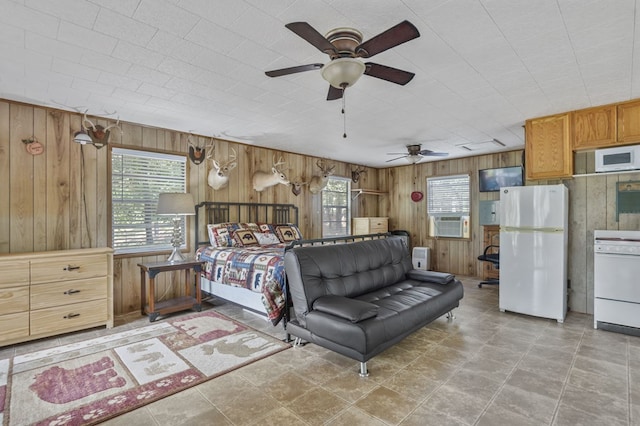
(414, 158)
(343, 72)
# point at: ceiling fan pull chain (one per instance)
(344, 114)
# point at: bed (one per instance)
(244, 263)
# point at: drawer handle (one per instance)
(71, 268)
(72, 291)
(68, 316)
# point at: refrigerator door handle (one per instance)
(530, 229)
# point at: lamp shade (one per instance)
(176, 203)
(343, 72)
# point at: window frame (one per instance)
(160, 224)
(460, 209)
(347, 206)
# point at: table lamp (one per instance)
(177, 205)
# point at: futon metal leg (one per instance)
(298, 342)
(363, 369)
(450, 315)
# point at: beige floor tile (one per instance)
(139, 417)
(387, 405)
(569, 416)
(595, 403)
(463, 406)
(353, 416)
(183, 407)
(598, 383)
(277, 417)
(496, 415)
(427, 416)
(317, 406)
(527, 404)
(350, 386)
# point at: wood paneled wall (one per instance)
(592, 205)
(60, 199)
(457, 256)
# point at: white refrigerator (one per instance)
(533, 250)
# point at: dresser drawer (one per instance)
(14, 273)
(14, 300)
(68, 317)
(64, 269)
(63, 293)
(14, 326)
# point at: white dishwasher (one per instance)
(616, 280)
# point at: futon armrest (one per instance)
(350, 309)
(430, 276)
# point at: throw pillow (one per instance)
(219, 235)
(287, 233)
(244, 238)
(266, 238)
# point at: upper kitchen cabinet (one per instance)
(548, 150)
(594, 127)
(629, 122)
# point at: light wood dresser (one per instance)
(369, 225)
(47, 293)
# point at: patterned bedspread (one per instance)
(257, 268)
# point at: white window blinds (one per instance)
(448, 195)
(137, 178)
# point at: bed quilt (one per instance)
(257, 268)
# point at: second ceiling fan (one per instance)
(345, 48)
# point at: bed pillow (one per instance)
(266, 238)
(288, 233)
(244, 238)
(219, 235)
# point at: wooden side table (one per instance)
(182, 303)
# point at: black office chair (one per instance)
(493, 258)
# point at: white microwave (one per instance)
(618, 158)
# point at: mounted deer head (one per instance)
(218, 176)
(99, 134)
(197, 154)
(318, 183)
(296, 185)
(262, 180)
(355, 174)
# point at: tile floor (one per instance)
(483, 368)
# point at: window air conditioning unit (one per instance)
(449, 226)
(420, 258)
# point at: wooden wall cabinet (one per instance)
(548, 150)
(628, 122)
(594, 127)
(48, 293)
(369, 225)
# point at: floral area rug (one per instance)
(93, 380)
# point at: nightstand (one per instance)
(153, 308)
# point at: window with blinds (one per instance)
(336, 207)
(137, 178)
(448, 205)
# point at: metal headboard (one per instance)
(220, 212)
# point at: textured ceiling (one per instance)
(482, 68)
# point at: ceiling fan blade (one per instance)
(394, 159)
(428, 153)
(293, 70)
(334, 93)
(384, 72)
(394, 36)
(307, 32)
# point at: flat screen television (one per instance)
(493, 179)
